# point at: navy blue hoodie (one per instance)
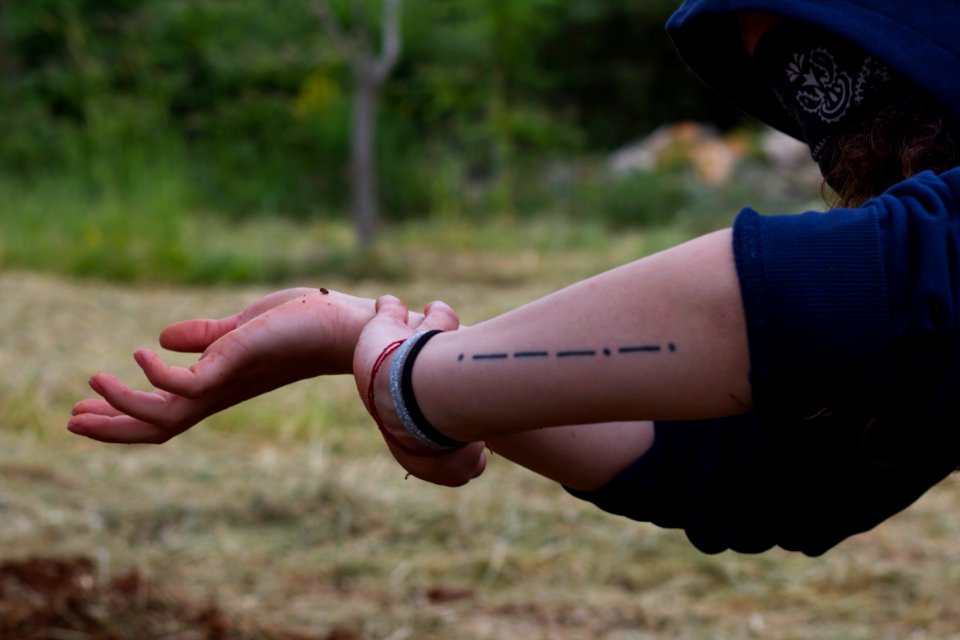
(853, 320)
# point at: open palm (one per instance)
(286, 336)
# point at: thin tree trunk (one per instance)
(363, 163)
(370, 72)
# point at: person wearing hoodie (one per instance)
(790, 382)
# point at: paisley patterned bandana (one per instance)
(824, 82)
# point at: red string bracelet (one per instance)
(372, 405)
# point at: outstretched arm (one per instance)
(661, 338)
(244, 356)
(295, 334)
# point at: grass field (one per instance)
(285, 518)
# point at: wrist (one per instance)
(379, 402)
(435, 386)
(405, 403)
(393, 405)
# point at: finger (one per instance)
(481, 465)
(152, 407)
(439, 315)
(118, 429)
(97, 406)
(177, 380)
(391, 312)
(392, 307)
(193, 336)
(452, 469)
(389, 323)
(415, 320)
(459, 467)
(479, 457)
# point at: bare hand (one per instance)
(286, 336)
(452, 468)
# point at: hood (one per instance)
(917, 38)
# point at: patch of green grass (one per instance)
(149, 232)
(141, 223)
(155, 236)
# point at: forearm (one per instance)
(584, 457)
(661, 338)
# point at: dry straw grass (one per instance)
(288, 514)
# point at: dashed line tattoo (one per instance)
(532, 354)
(491, 356)
(606, 352)
(642, 349)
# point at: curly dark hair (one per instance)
(893, 143)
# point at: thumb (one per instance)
(194, 336)
(389, 323)
(439, 315)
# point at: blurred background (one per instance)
(129, 125)
(170, 159)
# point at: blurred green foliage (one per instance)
(244, 103)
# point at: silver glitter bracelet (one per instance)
(404, 402)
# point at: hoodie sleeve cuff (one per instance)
(817, 308)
